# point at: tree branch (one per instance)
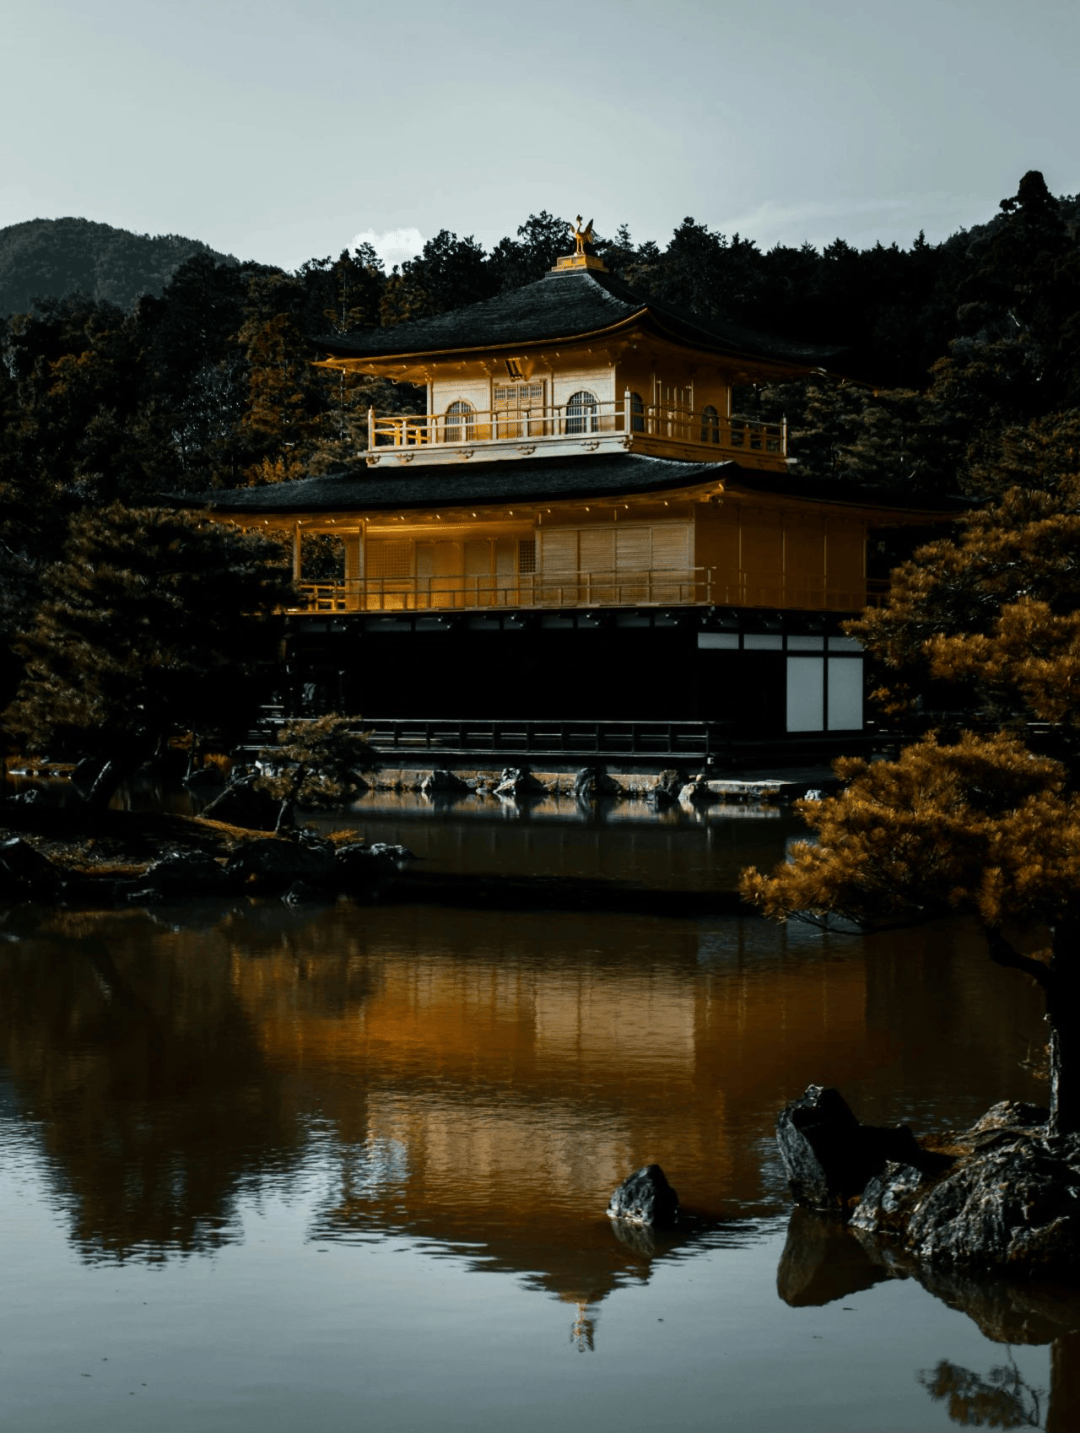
(1003, 952)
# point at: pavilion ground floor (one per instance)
(745, 673)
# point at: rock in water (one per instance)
(393, 853)
(645, 1198)
(440, 783)
(26, 873)
(274, 864)
(184, 873)
(592, 782)
(1010, 1201)
(829, 1157)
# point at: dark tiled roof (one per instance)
(523, 480)
(828, 490)
(563, 305)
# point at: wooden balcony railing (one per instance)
(675, 587)
(679, 425)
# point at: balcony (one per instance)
(567, 429)
(676, 587)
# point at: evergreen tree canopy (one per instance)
(151, 624)
(988, 624)
(315, 763)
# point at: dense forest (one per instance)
(209, 382)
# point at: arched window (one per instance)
(710, 425)
(581, 413)
(459, 422)
(637, 413)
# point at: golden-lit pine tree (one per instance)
(988, 823)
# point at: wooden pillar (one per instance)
(354, 566)
(296, 551)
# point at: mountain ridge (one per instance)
(51, 258)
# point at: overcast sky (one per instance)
(282, 130)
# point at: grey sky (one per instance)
(279, 131)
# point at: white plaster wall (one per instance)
(476, 391)
(598, 381)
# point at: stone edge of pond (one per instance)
(54, 862)
(999, 1198)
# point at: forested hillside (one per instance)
(51, 258)
(210, 383)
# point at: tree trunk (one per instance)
(286, 820)
(1063, 1019)
(1064, 1406)
(111, 776)
(193, 751)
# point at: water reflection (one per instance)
(696, 849)
(481, 1079)
(1000, 1399)
(824, 1261)
(471, 1082)
(141, 1074)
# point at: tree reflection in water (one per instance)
(147, 1078)
(1000, 1400)
(824, 1261)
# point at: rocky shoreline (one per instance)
(59, 853)
(64, 857)
(1001, 1197)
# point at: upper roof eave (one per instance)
(644, 317)
(565, 309)
(504, 346)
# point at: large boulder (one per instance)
(183, 873)
(592, 783)
(666, 791)
(1010, 1200)
(518, 781)
(645, 1197)
(275, 864)
(444, 783)
(826, 1259)
(829, 1157)
(26, 874)
(697, 792)
(362, 869)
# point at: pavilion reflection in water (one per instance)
(478, 1080)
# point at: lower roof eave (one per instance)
(465, 487)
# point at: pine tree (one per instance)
(315, 763)
(153, 623)
(987, 822)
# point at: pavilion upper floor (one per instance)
(575, 363)
(573, 403)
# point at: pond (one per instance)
(266, 1167)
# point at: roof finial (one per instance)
(582, 257)
(581, 236)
